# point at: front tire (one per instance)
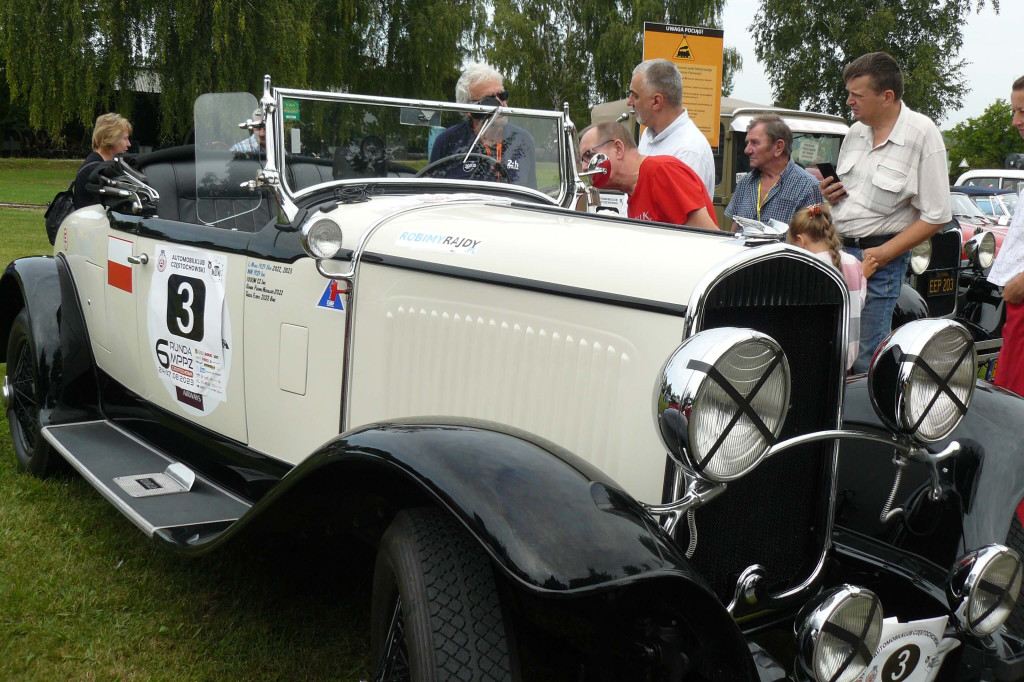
(435, 612)
(25, 401)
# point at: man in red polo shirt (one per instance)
(660, 188)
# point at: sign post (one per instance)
(697, 53)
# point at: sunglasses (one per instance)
(502, 95)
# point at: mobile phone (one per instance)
(827, 170)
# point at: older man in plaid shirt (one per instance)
(775, 188)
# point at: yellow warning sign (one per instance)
(683, 51)
(697, 53)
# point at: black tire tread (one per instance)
(468, 633)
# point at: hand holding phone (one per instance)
(827, 171)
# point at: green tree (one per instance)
(986, 140)
(72, 59)
(805, 46)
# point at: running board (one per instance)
(159, 495)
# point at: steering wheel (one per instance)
(503, 174)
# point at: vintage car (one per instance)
(581, 447)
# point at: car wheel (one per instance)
(435, 612)
(24, 401)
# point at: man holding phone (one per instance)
(890, 189)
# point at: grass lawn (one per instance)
(35, 181)
(84, 595)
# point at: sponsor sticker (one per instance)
(190, 328)
(119, 270)
(435, 241)
(333, 296)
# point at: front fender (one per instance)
(983, 484)
(910, 306)
(552, 523)
(43, 285)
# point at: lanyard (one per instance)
(497, 158)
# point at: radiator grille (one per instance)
(946, 250)
(778, 515)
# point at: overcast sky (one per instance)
(992, 48)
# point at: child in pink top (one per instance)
(812, 229)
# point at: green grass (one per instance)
(84, 595)
(35, 181)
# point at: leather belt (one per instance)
(867, 242)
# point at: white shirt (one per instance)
(892, 185)
(683, 140)
(1010, 261)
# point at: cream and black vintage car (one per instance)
(581, 447)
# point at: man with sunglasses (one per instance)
(660, 188)
(508, 145)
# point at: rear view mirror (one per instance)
(420, 117)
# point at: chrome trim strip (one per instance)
(694, 323)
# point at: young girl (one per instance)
(812, 229)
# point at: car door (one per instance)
(189, 326)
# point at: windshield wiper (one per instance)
(483, 129)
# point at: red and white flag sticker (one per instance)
(119, 270)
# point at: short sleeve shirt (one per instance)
(668, 191)
(893, 185)
(683, 140)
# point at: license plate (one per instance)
(941, 284)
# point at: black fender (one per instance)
(553, 524)
(910, 306)
(44, 286)
(982, 486)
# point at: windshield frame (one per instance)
(275, 169)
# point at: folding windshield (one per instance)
(360, 138)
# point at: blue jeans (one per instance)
(876, 318)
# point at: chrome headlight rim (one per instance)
(321, 237)
(904, 364)
(693, 393)
(818, 628)
(981, 250)
(921, 257)
(971, 575)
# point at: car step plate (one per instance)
(120, 465)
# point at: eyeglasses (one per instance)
(502, 95)
(589, 154)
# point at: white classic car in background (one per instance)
(582, 445)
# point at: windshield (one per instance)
(357, 138)
(963, 206)
(1010, 202)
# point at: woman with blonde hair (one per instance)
(109, 139)
(812, 229)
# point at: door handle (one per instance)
(141, 259)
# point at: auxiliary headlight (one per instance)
(921, 379)
(321, 238)
(721, 401)
(983, 588)
(837, 638)
(980, 249)
(921, 257)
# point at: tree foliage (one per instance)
(805, 46)
(986, 140)
(65, 61)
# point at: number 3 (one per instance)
(186, 307)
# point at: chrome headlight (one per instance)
(921, 257)
(983, 588)
(837, 638)
(921, 379)
(721, 400)
(980, 249)
(321, 238)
